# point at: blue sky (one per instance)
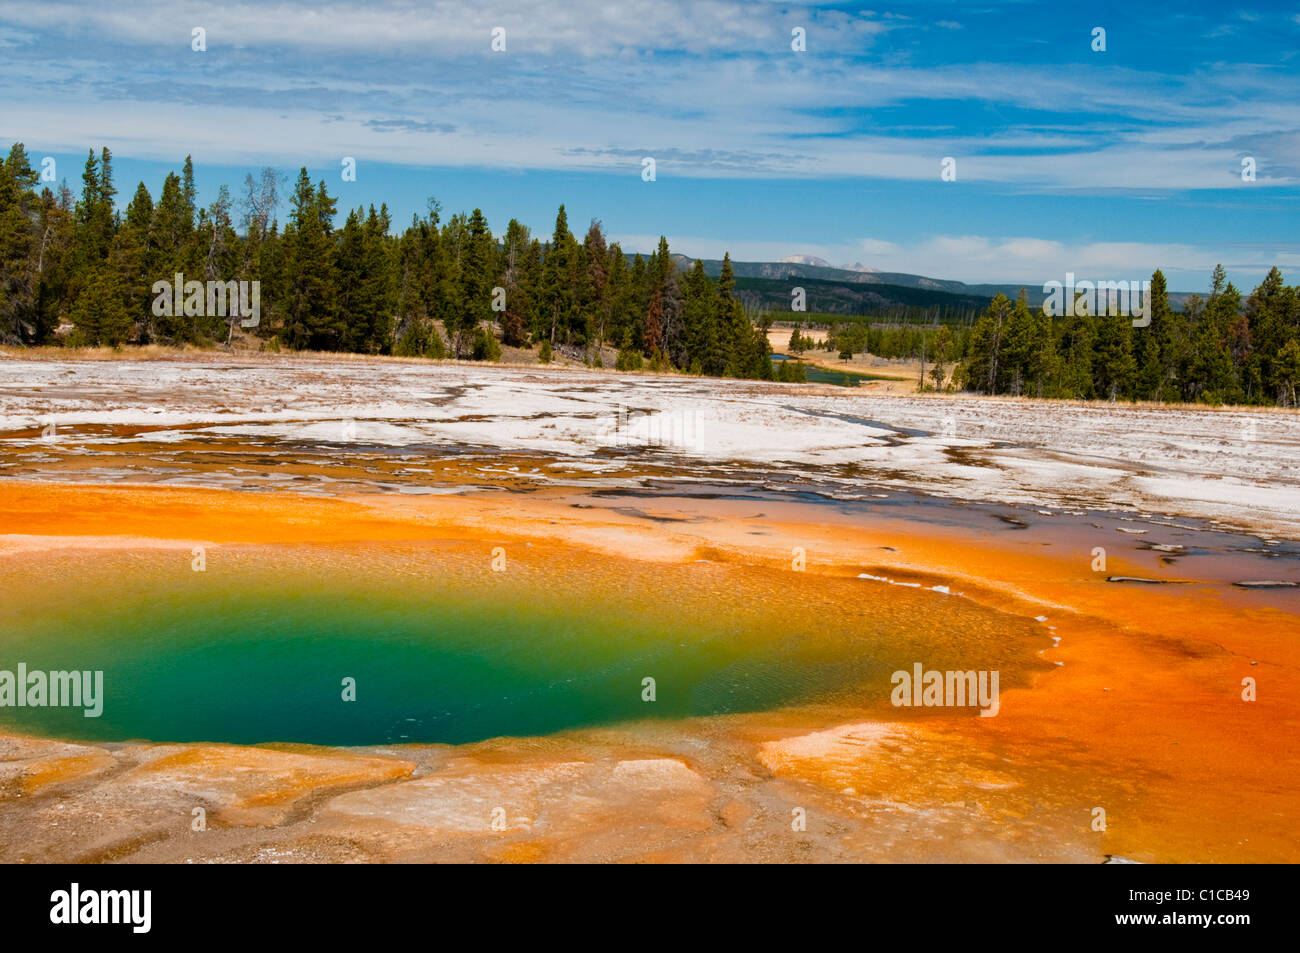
(1107, 164)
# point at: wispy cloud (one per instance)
(458, 28)
(710, 88)
(856, 124)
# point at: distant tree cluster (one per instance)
(439, 288)
(1214, 351)
(883, 340)
(800, 342)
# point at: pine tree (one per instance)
(699, 319)
(555, 296)
(170, 252)
(367, 293)
(419, 265)
(983, 369)
(666, 309)
(940, 352)
(635, 306)
(514, 281)
(474, 294)
(188, 190)
(726, 281)
(1266, 312)
(1286, 372)
(55, 255)
(733, 326)
(310, 284)
(654, 326)
(353, 299)
(595, 301)
(92, 228)
(1213, 374)
(619, 275)
(19, 281)
(100, 316)
(130, 259)
(1042, 365)
(1113, 370)
(1151, 352)
(796, 345)
(1019, 343)
(381, 277)
(1074, 348)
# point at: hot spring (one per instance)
(427, 643)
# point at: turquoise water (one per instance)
(443, 652)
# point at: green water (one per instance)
(252, 651)
(820, 375)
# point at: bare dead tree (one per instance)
(260, 200)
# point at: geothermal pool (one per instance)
(442, 648)
(1132, 576)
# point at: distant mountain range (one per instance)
(822, 263)
(863, 290)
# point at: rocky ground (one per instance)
(113, 415)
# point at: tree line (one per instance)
(75, 269)
(1217, 349)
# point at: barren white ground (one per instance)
(1240, 468)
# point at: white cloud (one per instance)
(580, 28)
(982, 259)
(579, 89)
